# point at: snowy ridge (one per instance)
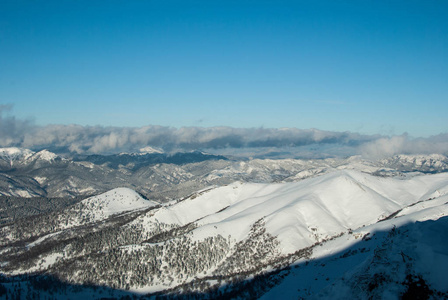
(45, 155)
(20, 155)
(17, 154)
(300, 213)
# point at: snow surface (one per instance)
(41, 239)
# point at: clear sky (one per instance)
(361, 66)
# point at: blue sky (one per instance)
(374, 67)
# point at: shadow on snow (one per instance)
(241, 285)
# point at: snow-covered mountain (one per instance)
(10, 155)
(14, 157)
(101, 207)
(24, 173)
(342, 234)
(433, 163)
(150, 150)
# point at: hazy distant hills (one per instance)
(135, 161)
(28, 174)
(162, 177)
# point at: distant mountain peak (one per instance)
(150, 150)
(45, 155)
(15, 153)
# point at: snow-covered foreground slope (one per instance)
(404, 256)
(336, 230)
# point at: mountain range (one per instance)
(194, 225)
(161, 176)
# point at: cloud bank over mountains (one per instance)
(98, 139)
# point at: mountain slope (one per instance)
(303, 212)
(404, 255)
(238, 231)
(101, 207)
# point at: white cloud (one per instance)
(402, 144)
(98, 139)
